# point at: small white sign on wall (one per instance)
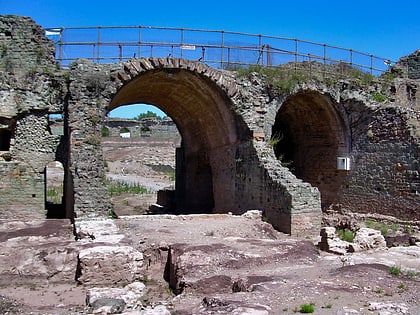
(343, 163)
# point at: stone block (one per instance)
(102, 265)
(130, 294)
(366, 238)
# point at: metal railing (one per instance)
(219, 49)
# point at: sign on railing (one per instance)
(219, 49)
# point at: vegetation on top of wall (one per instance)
(285, 77)
(280, 78)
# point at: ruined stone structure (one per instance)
(338, 146)
(147, 127)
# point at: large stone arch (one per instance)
(222, 164)
(202, 111)
(312, 133)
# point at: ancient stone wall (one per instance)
(31, 87)
(227, 161)
(385, 176)
(147, 127)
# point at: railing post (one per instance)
(60, 45)
(223, 50)
(351, 57)
(203, 51)
(371, 64)
(310, 65)
(325, 59)
(139, 43)
(120, 52)
(296, 53)
(99, 44)
(182, 39)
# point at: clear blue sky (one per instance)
(390, 29)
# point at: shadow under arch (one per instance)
(309, 133)
(204, 117)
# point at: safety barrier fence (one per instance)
(219, 49)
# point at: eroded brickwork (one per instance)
(227, 162)
(31, 87)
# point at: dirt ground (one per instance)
(247, 265)
(232, 264)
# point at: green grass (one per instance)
(345, 235)
(382, 226)
(116, 188)
(413, 274)
(307, 308)
(171, 175)
(395, 271)
(55, 194)
(379, 97)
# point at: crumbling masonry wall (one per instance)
(30, 89)
(226, 122)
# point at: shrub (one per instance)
(379, 97)
(307, 308)
(382, 226)
(118, 188)
(275, 139)
(345, 235)
(105, 132)
(148, 114)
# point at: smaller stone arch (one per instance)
(309, 133)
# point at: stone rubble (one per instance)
(364, 239)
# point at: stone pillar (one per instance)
(86, 113)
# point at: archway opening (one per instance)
(140, 168)
(54, 190)
(202, 112)
(308, 136)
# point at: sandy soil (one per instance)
(276, 272)
(277, 279)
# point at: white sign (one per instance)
(188, 47)
(52, 32)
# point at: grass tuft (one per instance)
(345, 235)
(395, 271)
(307, 308)
(116, 188)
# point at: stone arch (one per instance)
(197, 99)
(311, 133)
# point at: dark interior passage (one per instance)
(308, 136)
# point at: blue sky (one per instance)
(390, 29)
